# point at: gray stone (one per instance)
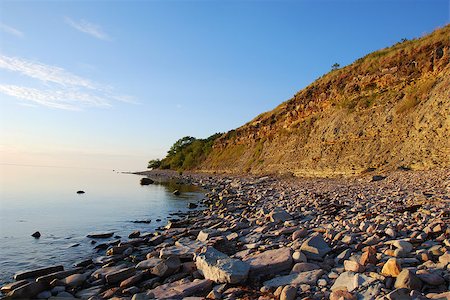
(44, 295)
(100, 235)
(270, 262)
(279, 215)
(315, 247)
(28, 290)
(74, 280)
(407, 279)
(288, 293)
(148, 263)
(37, 272)
(350, 281)
(295, 279)
(220, 268)
(304, 267)
(399, 294)
(120, 275)
(167, 267)
(180, 289)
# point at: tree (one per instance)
(335, 66)
(179, 145)
(154, 164)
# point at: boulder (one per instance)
(148, 263)
(146, 181)
(220, 268)
(270, 262)
(120, 275)
(167, 267)
(27, 291)
(391, 268)
(74, 280)
(315, 247)
(37, 272)
(407, 279)
(36, 235)
(279, 216)
(288, 293)
(100, 235)
(350, 281)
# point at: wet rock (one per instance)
(74, 280)
(134, 234)
(192, 205)
(315, 247)
(220, 268)
(176, 192)
(407, 279)
(36, 235)
(295, 279)
(146, 181)
(100, 235)
(28, 290)
(270, 262)
(89, 292)
(44, 295)
(13, 285)
(37, 272)
(80, 192)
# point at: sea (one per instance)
(45, 199)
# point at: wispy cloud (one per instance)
(11, 30)
(43, 72)
(62, 89)
(89, 28)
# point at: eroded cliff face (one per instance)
(387, 110)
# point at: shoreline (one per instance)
(281, 237)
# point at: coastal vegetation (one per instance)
(185, 153)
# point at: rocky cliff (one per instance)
(387, 110)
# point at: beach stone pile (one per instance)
(276, 238)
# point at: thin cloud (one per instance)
(11, 30)
(61, 89)
(62, 99)
(44, 72)
(88, 28)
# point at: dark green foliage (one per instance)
(154, 164)
(188, 152)
(335, 66)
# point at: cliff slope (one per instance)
(387, 110)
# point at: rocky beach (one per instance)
(374, 236)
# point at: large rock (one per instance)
(315, 247)
(279, 215)
(27, 291)
(220, 268)
(57, 275)
(407, 279)
(148, 263)
(75, 280)
(295, 279)
(167, 267)
(120, 275)
(391, 268)
(350, 281)
(270, 262)
(37, 272)
(180, 289)
(100, 235)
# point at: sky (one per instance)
(113, 84)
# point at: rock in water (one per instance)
(80, 192)
(146, 181)
(100, 235)
(36, 235)
(315, 247)
(37, 272)
(192, 205)
(176, 192)
(220, 268)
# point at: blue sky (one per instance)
(112, 84)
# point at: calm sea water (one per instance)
(44, 199)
